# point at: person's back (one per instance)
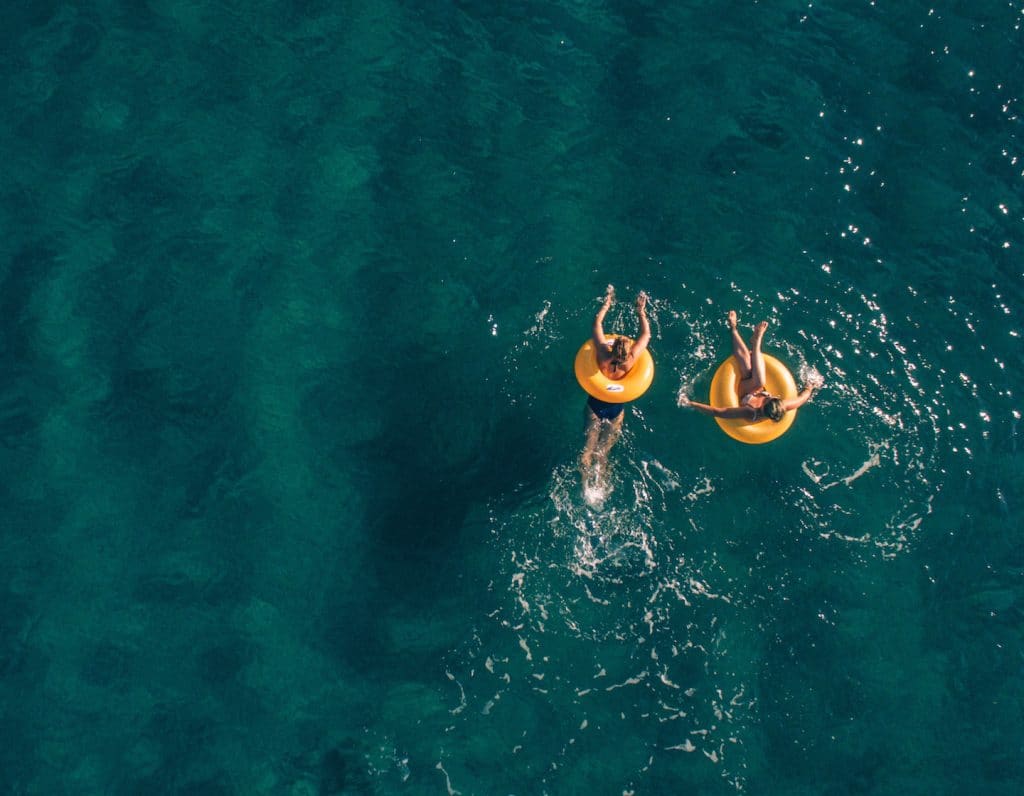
(616, 359)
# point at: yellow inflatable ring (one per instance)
(630, 387)
(779, 381)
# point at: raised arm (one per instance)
(645, 328)
(598, 331)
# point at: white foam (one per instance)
(447, 780)
(810, 376)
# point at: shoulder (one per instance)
(637, 349)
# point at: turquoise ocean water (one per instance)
(291, 293)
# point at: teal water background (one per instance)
(290, 295)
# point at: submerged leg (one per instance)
(590, 447)
(601, 436)
(610, 431)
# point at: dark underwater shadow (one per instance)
(426, 522)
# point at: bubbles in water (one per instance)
(596, 487)
(640, 593)
(811, 376)
(601, 614)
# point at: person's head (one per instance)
(620, 351)
(773, 409)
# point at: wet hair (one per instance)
(620, 350)
(773, 409)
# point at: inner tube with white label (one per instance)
(724, 392)
(613, 391)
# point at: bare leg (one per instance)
(590, 448)
(757, 375)
(748, 378)
(739, 348)
(601, 436)
(610, 431)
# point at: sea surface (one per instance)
(289, 435)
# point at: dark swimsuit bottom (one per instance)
(603, 410)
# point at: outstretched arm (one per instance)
(800, 400)
(719, 411)
(645, 328)
(598, 330)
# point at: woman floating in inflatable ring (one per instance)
(743, 382)
(613, 370)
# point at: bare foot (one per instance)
(759, 331)
(732, 319)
